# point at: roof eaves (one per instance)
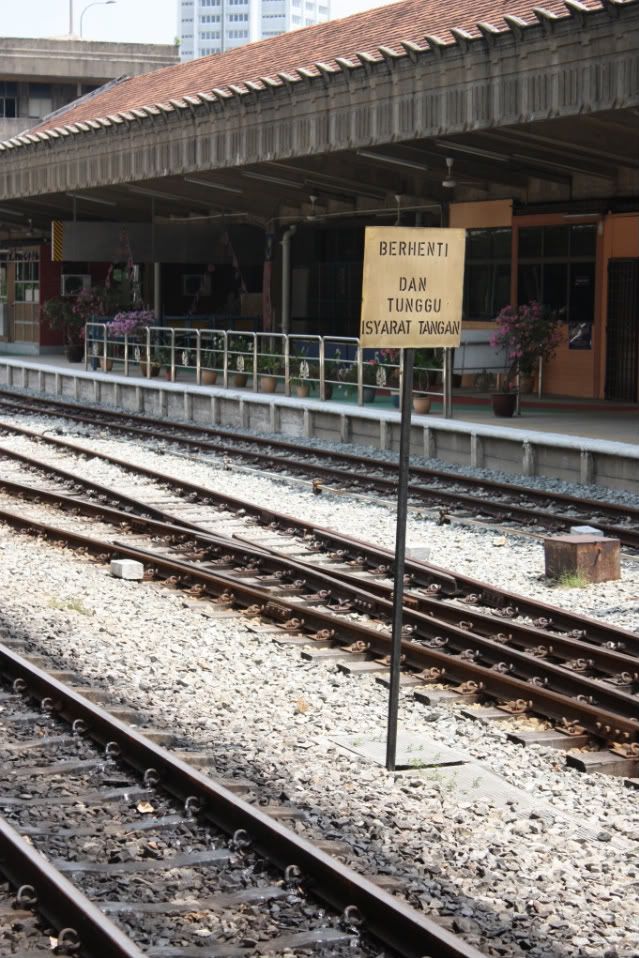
(436, 45)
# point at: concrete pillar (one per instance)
(157, 290)
(286, 277)
(188, 406)
(97, 390)
(244, 414)
(76, 388)
(117, 394)
(163, 403)
(40, 381)
(384, 434)
(344, 428)
(139, 399)
(430, 443)
(274, 414)
(476, 451)
(587, 467)
(528, 462)
(58, 384)
(25, 379)
(215, 412)
(308, 423)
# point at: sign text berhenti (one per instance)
(413, 287)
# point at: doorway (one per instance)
(622, 349)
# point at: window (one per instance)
(27, 281)
(237, 34)
(557, 268)
(40, 99)
(8, 100)
(238, 17)
(487, 274)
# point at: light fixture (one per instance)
(90, 199)
(169, 197)
(394, 160)
(213, 186)
(472, 150)
(552, 165)
(98, 3)
(274, 179)
(579, 216)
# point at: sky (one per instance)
(133, 21)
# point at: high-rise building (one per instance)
(212, 26)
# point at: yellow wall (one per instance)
(572, 372)
(483, 215)
(620, 241)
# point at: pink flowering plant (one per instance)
(131, 321)
(525, 334)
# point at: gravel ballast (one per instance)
(509, 879)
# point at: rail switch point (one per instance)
(127, 569)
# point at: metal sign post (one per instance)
(412, 299)
(400, 558)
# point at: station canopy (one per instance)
(397, 110)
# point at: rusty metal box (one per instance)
(593, 558)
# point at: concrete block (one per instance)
(585, 531)
(592, 558)
(127, 569)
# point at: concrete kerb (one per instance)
(496, 446)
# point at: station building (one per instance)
(240, 185)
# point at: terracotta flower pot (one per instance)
(150, 372)
(209, 377)
(239, 380)
(106, 365)
(268, 384)
(504, 404)
(421, 404)
(302, 391)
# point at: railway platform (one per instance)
(588, 441)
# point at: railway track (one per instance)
(129, 850)
(327, 591)
(459, 496)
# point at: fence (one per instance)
(294, 364)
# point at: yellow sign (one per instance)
(413, 287)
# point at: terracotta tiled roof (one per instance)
(338, 44)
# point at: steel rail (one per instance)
(428, 614)
(423, 574)
(599, 721)
(497, 509)
(59, 900)
(389, 920)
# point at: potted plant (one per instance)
(129, 323)
(525, 334)
(209, 359)
(243, 360)
(67, 314)
(270, 365)
(426, 374)
(301, 382)
(164, 358)
(373, 376)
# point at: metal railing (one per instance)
(325, 367)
